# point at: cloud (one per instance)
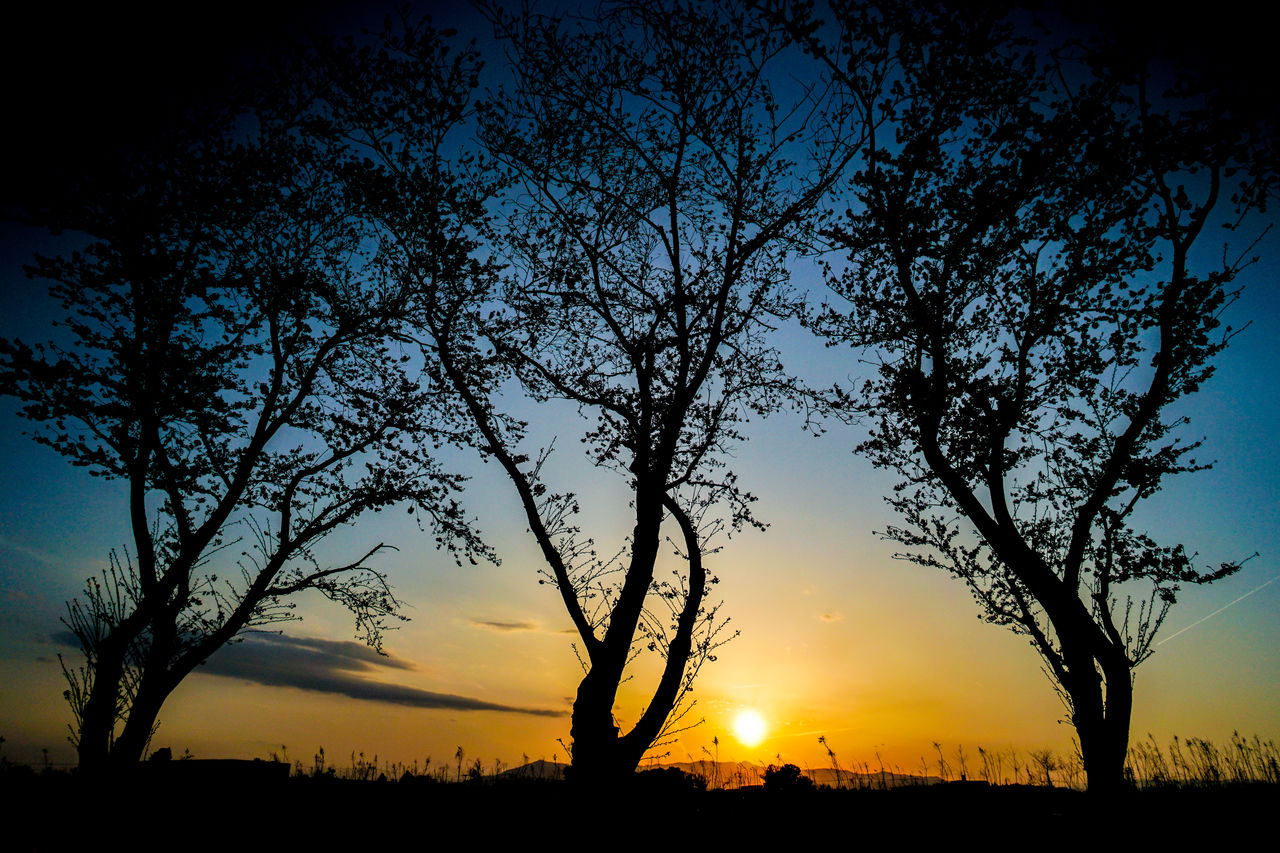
(60, 638)
(64, 640)
(831, 617)
(325, 666)
(48, 559)
(504, 626)
(345, 655)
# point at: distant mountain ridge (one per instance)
(740, 774)
(540, 769)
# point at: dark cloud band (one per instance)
(505, 626)
(325, 666)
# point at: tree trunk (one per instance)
(99, 749)
(131, 745)
(1101, 711)
(596, 754)
(96, 736)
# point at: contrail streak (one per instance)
(1219, 610)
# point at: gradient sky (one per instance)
(837, 637)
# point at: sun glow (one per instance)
(749, 728)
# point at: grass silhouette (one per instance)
(327, 804)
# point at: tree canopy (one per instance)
(1020, 243)
(230, 353)
(653, 198)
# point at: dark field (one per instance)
(235, 811)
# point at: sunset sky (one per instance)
(838, 639)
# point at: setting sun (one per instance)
(749, 728)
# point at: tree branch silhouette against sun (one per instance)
(653, 204)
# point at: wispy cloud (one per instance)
(342, 654)
(48, 559)
(832, 617)
(325, 666)
(60, 638)
(504, 626)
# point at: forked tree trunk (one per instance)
(596, 746)
(1102, 706)
(130, 747)
(600, 754)
(99, 749)
(596, 756)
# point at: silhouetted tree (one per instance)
(230, 354)
(654, 202)
(1020, 241)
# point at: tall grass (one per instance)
(1198, 762)
(365, 769)
(1189, 762)
(1184, 762)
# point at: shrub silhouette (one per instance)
(788, 777)
(670, 781)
